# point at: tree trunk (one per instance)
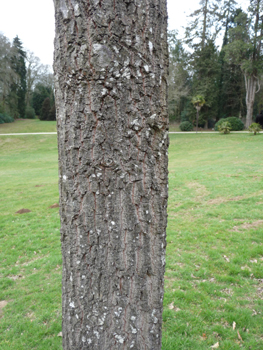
(204, 25)
(251, 84)
(110, 67)
(197, 117)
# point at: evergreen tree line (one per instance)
(26, 85)
(229, 78)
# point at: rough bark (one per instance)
(110, 78)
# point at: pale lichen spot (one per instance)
(97, 334)
(163, 260)
(76, 10)
(72, 304)
(119, 338)
(134, 330)
(104, 92)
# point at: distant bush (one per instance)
(235, 123)
(186, 126)
(4, 118)
(30, 112)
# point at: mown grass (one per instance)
(214, 274)
(28, 125)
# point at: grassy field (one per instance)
(28, 125)
(214, 272)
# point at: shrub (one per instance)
(4, 118)
(224, 127)
(235, 123)
(30, 112)
(255, 127)
(186, 126)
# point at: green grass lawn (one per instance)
(214, 268)
(28, 125)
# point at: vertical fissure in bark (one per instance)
(110, 66)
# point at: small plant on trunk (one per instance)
(225, 128)
(198, 101)
(255, 128)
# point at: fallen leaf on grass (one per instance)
(172, 307)
(56, 205)
(215, 346)
(226, 258)
(245, 268)
(59, 334)
(255, 312)
(234, 325)
(239, 336)
(227, 291)
(204, 337)
(253, 261)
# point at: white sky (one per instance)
(33, 22)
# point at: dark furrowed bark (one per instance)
(110, 76)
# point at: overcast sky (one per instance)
(33, 22)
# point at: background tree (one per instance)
(205, 24)
(111, 65)
(205, 78)
(231, 87)
(7, 75)
(198, 102)
(40, 93)
(36, 73)
(179, 79)
(245, 49)
(19, 66)
(200, 36)
(45, 110)
(48, 110)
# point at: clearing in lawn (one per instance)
(214, 274)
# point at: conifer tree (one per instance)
(19, 66)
